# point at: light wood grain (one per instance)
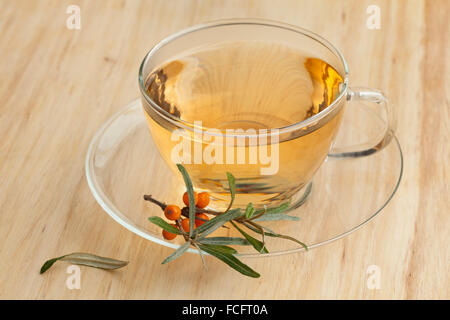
(59, 85)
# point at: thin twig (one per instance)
(200, 210)
(148, 197)
(185, 235)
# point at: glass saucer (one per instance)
(123, 164)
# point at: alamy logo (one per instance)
(374, 18)
(74, 280)
(374, 279)
(74, 20)
(235, 146)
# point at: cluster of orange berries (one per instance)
(173, 212)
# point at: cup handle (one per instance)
(376, 144)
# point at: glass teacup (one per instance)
(260, 99)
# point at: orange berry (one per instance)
(172, 212)
(185, 225)
(203, 199)
(186, 198)
(169, 235)
(199, 222)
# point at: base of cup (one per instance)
(295, 201)
(300, 197)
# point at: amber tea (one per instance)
(244, 89)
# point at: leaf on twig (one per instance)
(201, 255)
(217, 222)
(178, 252)
(276, 235)
(190, 191)
(225, 241)
(258, 245)
(249, 211)
(276, 217)
(221, 248)
(163, 224)
(281, 208)
(231, 260)
(232, 186)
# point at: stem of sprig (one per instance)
(185, 235)
(185, 210)
(208, 211)
(148, 197)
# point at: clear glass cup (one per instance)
(301, 146)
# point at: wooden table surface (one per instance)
(59, 85)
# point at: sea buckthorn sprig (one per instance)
(194, 223)
(175, 213)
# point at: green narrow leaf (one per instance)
(276, 217)
(231, 260)
(190, 191)
(221, 248)
(93, 260)
(218, 221)
(258, 245)
(225, 241)
(281, 208)
(249, 211)
(163, 224)
(232, 186)
(86, 259)
(276, 235)
(177, 253)
(201, 255)
(47, 265)
(211, 229)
